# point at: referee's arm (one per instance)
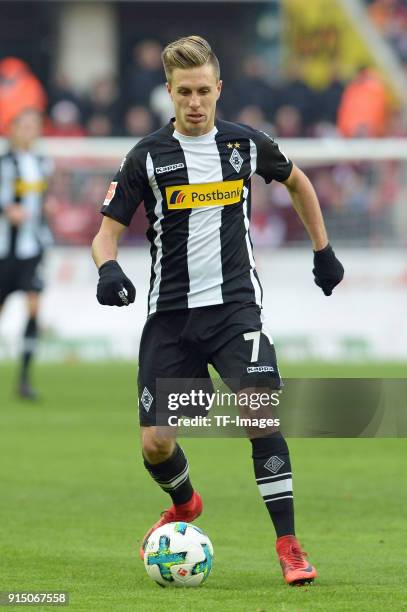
(305, 202)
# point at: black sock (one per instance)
(272, 469)
(173, 476)
(30, 345)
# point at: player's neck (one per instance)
(20, 147)
(194, 133)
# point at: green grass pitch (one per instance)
(75, 501)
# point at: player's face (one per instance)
(25, 129)
(194, 92)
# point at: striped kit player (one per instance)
(205, 298)
(24, 232)
(197, 196)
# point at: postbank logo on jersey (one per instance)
(204, 194)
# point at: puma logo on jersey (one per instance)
(170, 168)
(204, 194)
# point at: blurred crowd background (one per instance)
(292, 69)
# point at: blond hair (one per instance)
(189, 52)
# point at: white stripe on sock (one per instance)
(276, 498)
(174, 487)
(171, 484)
(271, 488)
(273, 477)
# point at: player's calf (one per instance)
(25, 389)
(272, 468)
(172, 475)
(156, 448)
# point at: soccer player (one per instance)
(24, 232)
(205, 297)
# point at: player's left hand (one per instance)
(328, 270)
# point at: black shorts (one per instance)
(181, 344)
(20, 275)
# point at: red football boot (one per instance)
(186, 513)
(296, 569)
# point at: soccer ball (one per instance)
(178, 554)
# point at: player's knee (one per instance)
(156, 448)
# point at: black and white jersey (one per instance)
(196, 192)
(23, 181)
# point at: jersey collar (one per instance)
(183, 138)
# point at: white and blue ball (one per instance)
(178, 554)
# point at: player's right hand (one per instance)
(16, 214)
(328, 270)
(114, 288)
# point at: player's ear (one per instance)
(219, 88)
(169, 89)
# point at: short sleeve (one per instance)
(126, 191)
(271, 163)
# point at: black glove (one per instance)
(328, 271)
(114, 288)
